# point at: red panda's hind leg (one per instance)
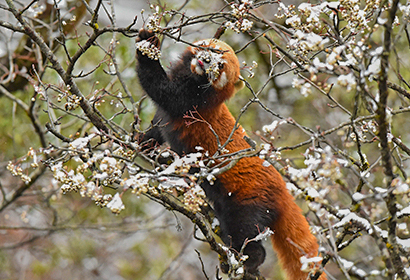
(240, 224)
(256, 256)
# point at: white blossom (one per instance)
(306, 262)
(349, 216)
(348, 81)
(81, 143)
(116, 205)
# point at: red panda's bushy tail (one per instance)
(292, 239)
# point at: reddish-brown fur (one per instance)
(291, 226)
(251, 182)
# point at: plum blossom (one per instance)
(116, 204)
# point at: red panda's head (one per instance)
(219, 63)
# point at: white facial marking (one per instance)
(222, 81)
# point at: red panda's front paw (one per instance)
(147, 44)
(147, 35)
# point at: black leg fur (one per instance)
(240, 223)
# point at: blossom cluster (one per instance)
(72, 101)
(90, 172)
(148, 49)
(68, 179)
(267, 152)
(318, 181)
(17, 170)
(20, 168)
(364, 131)
(153, 22)
(174, 178)
(322, 170)
(335, 52)
(194, 198)
(240, 13)
(405, 9)
(356, 16)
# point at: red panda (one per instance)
(248, 197)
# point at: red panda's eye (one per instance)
(221, 65)
(207, 60)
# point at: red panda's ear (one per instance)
(239, 84)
